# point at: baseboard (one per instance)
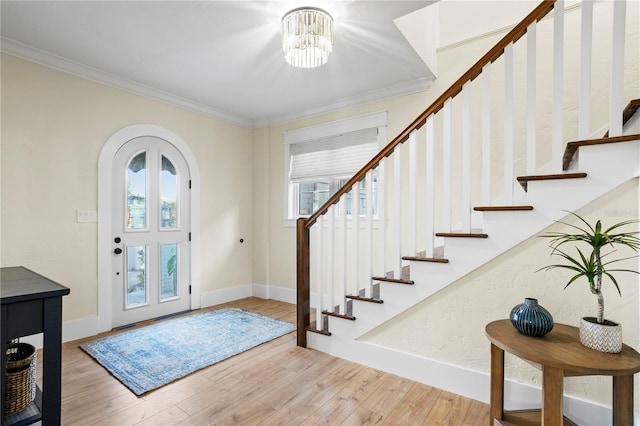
(88, 326)
(275, 293)
(471, 384)
(225, 295)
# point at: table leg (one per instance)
(497, 384)
(3, 358)
(552, 385)
(622, 400)
(51, 361)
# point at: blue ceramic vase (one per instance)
(531, 319)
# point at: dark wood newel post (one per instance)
(302, 287)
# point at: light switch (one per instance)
(86, 216)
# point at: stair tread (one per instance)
(572, 147)
(364, 299)
(426, 259)
(502, 208)
(337, 315)
(461, 235)
(393, 280)
(523, 180)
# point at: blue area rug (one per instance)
(149, 357)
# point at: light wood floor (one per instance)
(276, 383)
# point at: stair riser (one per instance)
(597, 160)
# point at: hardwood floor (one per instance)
(276, 383)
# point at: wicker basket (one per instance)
(20, 378)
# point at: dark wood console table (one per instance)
(559, 354)
(32, 304)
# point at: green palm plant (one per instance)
(595, 265)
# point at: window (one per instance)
(320, 160)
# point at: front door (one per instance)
(151, 231)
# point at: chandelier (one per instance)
(307, 37)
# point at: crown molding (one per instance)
(403, 89)
(23, 51)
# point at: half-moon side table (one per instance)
(558, 354)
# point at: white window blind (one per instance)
(332, 157)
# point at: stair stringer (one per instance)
(607, 167)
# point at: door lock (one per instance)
(118, 250)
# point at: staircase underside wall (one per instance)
(448, 327)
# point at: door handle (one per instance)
(117, 250)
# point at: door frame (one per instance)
(105, 223)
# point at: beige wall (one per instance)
(53, 128)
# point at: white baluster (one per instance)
(382, 218)
(486, 135)
(397, 230)
(429, 186)
(369, 225)
(345, 250)
(446, 167)
(331, 267)
(508, 124)
(413, 158)
(557, 144)
(320, 271)
(617, 69)
(466, 158)
(531, 99)
(355, 232)
(584, 97)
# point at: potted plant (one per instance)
(595, 332)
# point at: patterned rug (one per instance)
(149, 357)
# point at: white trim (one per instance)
(23, 51)
(105, 178)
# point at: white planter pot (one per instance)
(605, 337)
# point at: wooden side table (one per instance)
(559, 354)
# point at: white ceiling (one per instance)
(222, 58)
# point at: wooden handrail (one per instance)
(511, 37)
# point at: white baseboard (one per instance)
(471, 384)
(87, 327)
(225, 295)
(275, 293)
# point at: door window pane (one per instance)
(168, 195)
(136, 285)
(168, 271)
(137, 192)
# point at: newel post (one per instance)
(303, 283)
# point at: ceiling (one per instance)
(221, 58)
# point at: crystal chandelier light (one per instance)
(307, 37)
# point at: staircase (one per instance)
(446, 207)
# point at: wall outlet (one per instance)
(86, 216)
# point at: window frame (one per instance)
(291, 191)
